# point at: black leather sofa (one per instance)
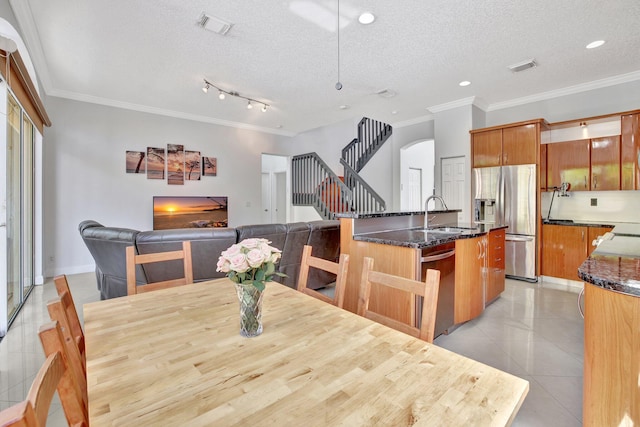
(107, 246)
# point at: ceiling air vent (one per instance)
(213, 24)
(386, 93)
(521, 66)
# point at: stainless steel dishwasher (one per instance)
(440, 258)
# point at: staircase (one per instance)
(315, 184)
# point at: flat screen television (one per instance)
(189, 212)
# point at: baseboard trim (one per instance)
(561, 284)
(79, 269)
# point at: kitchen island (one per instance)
(400, 245)
(611, 395)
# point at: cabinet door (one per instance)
(564, 249)
(496, 265)
(605, 163)
(487, 148)
(592, 234)
(569, 162)
(519, 145)
(630, 152)
(470, 274)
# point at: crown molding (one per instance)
(583, 87)
(414, 121)
(472, 100)
(30, 36)
(163, 112)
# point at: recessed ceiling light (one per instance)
(344, 107)
(464, 83)
(595, 44)
(394, 112)
(366, 18)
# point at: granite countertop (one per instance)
(419, 238)
(389, 214)
(575, 223)
(615, 264)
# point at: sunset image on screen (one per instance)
(189, 212)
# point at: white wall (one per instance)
(613, 206)
(596, 102)
(84, 172)
(402, 136)
(453, 140)
(418, 156)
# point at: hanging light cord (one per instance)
(338, 84)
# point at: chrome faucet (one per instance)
(426, 208)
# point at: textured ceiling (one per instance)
(151, 55)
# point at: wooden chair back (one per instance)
(339, 269)
(54, 375)
(428, 290)
(62, 287)
(74, 386)
(133, 259)
(57, 308)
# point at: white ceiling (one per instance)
(151, 55)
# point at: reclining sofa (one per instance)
(107, 246)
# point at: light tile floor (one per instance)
(531, 331)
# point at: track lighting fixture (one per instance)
(223, 93)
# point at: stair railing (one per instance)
(314, 184)
(372, 134)
(365, 199)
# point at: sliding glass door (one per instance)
(19, 191)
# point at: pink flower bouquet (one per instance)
(250, 261)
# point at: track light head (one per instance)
(264, 108)
(249, 105)
(221, 94)
(206, 87)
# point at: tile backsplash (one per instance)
(612, 206)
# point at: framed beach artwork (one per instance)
(155, 163)
(209, 166)
(171, 212)
(175, 164)
(135, 162)
(192, 165)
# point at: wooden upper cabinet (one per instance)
(630, 152)
(520, 144)
(543, 167)
(569, 162)
(487, 148)
(605, 163)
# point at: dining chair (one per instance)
(339, 269)
(54, 375)
(133, 259)
(57, 308)
(53, 341)
(70, 325)
(428, 290)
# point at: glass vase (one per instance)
(250, 300)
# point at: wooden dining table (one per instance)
(175, 357)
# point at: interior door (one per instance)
(279, 197)
(266, 198)
(454, 184)
(415, 189)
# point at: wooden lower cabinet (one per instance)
(611, 394)
(564, 249)
(495, 265)
(471, 277)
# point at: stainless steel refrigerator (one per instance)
(507, 195)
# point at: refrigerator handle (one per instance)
(500, 196)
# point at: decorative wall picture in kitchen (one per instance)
(175, 164)
(155, 163)
(192, 165)
(209, 166)
(135, 161)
